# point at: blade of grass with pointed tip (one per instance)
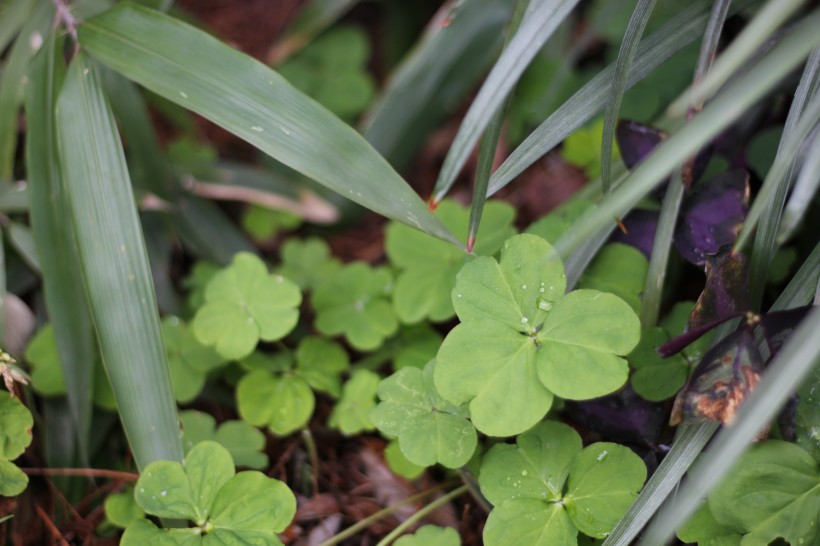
(794, 362)
(11, 85)
(629, 46)
(21, 239)
(771, 16)
(315, 17)
(673, 36)
(13, 15)
(55, 239)
(114, 265)
(13, 198)
(768, 204)
(805, 188)
(719, 114)
(193, 69)
(433, 79)
(540, 20)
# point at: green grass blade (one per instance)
(433, 79)
(540, 21)
(21, 239)
(771, 16)
(207, 231)
(115, 267)
(768, 204)
(629, 46)
(805, 188)
(193, 69)
(801, 289)
(13, 15)
(11, 85)
(315, 17)
(13, 198)
(676, 34)
(55, 239)
(794, 362)
(719, 114)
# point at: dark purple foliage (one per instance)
(779, 325)
(636, 141)
(622, 417)
(724, 295)
(712, 215)
(640, 227)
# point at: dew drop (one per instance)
(602, 456)
(459, 296)
(524, 472)
(544, 305)
(523, 287)
(524, 320)
(257, 129)
(163, 493)
(183, 95)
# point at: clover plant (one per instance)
(15, 436)
(399, 464)
(244, 304)
(417, 344)
(245, 443)
(431, 535)
(354, 302)
(197, 281)
(263, 223)
(546, 488)
(559, 221)
(225, 507)
(807, 415)
(522, 341)
(279, 394)
(189, 361)
(618, 269)
(307, 262)
(121, 509)
(351, 414)
(583, 148)
(428, 266)
(772, 493)
(429, 429)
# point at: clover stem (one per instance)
(366, 522)
(395, 533)
(469, 480)
(307, 437)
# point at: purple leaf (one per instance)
(711, 217)
(622, 417)
(636, 141)
(724, 295)
(779, 325)
(728, 372)
(679, 343)
(640, 227)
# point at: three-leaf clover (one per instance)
(618, 269)
(282, 398)
(243, 304)
(245, 443)
(189, 361)
(351, 415)
(121, 509)
(15, 435)
(429, 266)
(546, 488)
(431, 535)
(226, 507)
(307, 262)
(522, 340)
(354, 302)
(430, 429)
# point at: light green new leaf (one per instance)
(773, 491)
(191, 68)
(307, 262)
(604, 480)
(431, 535)
(244, 442)
(531, 522)
(352, 413)
(189, 361)
(243, 304)
(320, 361)
(428, 267)
(354, 302)
(430, 430)
(399, 464)
(13, 481)
(122, 509)
(536, 467)
(42, 353)
(115, 266)
(15, 427)
(283, 403)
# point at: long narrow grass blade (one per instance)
(11, 85)
(55, 239)
(13, 14)
(115, 267)
(433, 79)
(771, 16)
(676, 34)
(540, 21)
(206, 231)
(794, 362)
(191, 68)
(21, 239)
(691, 440)
(13, 198)
(315, 17)
(629, 46)
(768, 204)
(711, 40)
(719, 114)
(5, 334)
(805, 188)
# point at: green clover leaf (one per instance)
(307, 262)
(546, 488)
(430, 429)
(583, 148)
(15, 435)
(284, 402)
(656, 378)
(351, 415)
(772, 492)
(429, 266)
(417, 345)
(399, 464)
(263, 223)
(807, 414)
(431, 535)
(354, 303)
(121, 509)
(189, 361)
(320, 362)
(197, 281)
(244, 442)
(243, 304)
(618, 269)
(227, 508)
(703, 528)
(521, 339)
(559, 221)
